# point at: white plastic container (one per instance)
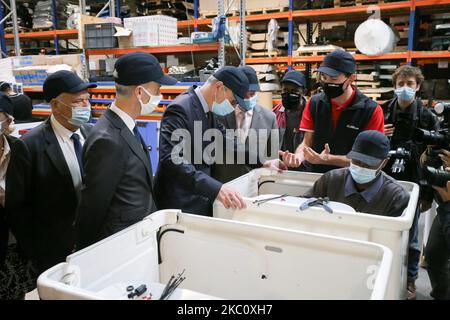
(222, 259)
(388, 231)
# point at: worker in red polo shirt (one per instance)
(333, 119)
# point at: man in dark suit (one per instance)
(184, 178)
(118, 189)
(45, 198)
(256, 127)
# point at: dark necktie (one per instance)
(139, 139)
(209, 116)
(78, 150)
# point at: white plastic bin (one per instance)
(222, 259)
(388, 231)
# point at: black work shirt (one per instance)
(383, 197)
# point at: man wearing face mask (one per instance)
(189, 184)
(289, 113)
(45, 198)
(332, 119)
(363, 185)
(255, 126)
(118, 186)
(403, 114)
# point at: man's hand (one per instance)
(389, 130)
(230, 198)
(291, 160)
(444, 192)
(275, 165)
(313, 157)
(444, 155)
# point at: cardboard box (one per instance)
(210, 6)
(124, 37)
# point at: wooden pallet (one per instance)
(260, 54)
(368, 84)
(266, 10)
(314, 50)
(213, 14)
(21, 30)
(351, 3)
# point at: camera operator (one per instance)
(437, 251)
(403, 114)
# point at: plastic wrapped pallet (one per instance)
(374, 37)
(150, 31)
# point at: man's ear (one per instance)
(353, 77)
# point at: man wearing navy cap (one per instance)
(332, 119)
(363, 185)
(289, 112)
(254, 125)
(188, 185)
(44, 202)
(118, 181)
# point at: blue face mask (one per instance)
(405, 93)
(250, 103)
(362, 175)
(80, 115)
(222, 108)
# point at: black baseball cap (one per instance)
(4, 86)
(64, 81)
(138, 68)
(6, 105)
(235, 80)
(250, 73)
(295, 77)
(338, 62)
(370, 147)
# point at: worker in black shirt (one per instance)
(22, 104)
(363, 185)
(289, 112)
(402, 115)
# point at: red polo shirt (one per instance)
(375, 123)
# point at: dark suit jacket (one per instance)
(42, 200)
(14, 144)
(117, 189)
(188, 186)
(263, 119)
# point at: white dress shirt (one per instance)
(66, 143)
(243, 122)
(4, 161)
(129, 121)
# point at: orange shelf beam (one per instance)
(69, 33)
(358, 57)
(429, 3)
(267, 60)
(168, 49)
(430, 55)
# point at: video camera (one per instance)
(401, 156)
(436, 177)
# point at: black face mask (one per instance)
(333, 90)
(291, 101)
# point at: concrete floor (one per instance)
(422, 283)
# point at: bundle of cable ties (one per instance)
(173, 283)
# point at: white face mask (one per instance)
(363, 175)
(150, 106)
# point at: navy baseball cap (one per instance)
(252, 78)
(295, 77)
(338, 62)
(6, 105)
(370, 147)
(64, 81)
(137, 68)
(235, 80)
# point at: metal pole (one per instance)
(112, 8)
(55, 25)
(82, 4)
(108, 4)
(290, 32)
(118, 8)
(15, 27)
(2, 32)
(195, 14)
(243, 32)
(221, 41)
